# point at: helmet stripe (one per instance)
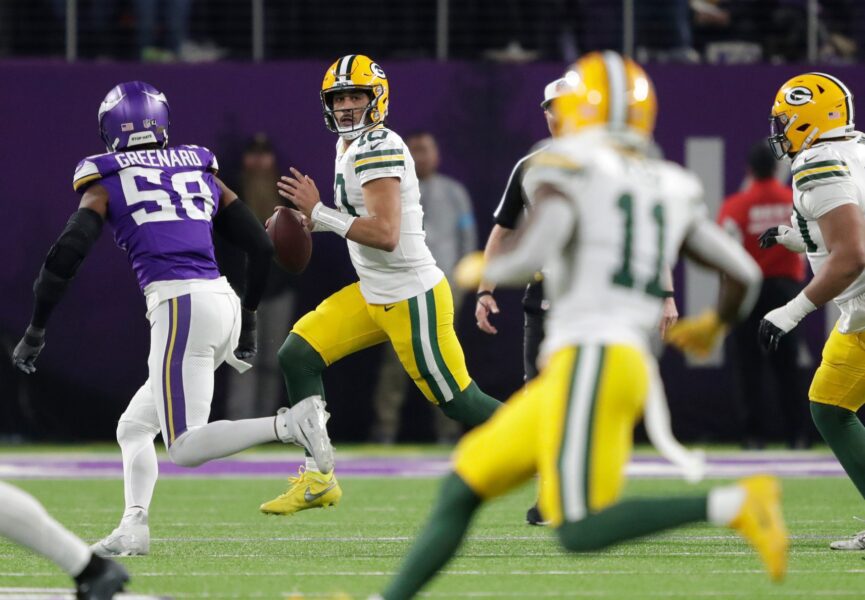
(844, 90)
(342, 69)
(617, 85)
(350, 64)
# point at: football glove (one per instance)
(247, 345)
(697, 335)
(28, 349)
(782, 320)
(788, 237)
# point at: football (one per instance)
(292, 241)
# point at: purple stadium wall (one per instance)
(485, 117)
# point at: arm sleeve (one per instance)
(551, 227)
(238, 225)
(62, 262)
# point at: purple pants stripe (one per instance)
(180, 311)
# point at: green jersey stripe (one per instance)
(380, 165)
(810, 246)
(375, 153)
(822, 163)
(817, 176)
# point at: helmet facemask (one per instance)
(368, 118)
(778, 140)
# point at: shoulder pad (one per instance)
(379, 149)
(820, 165)
(90, 170)
(208, 158)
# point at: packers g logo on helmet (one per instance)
(608, 91)
(808, 108)
(355, 72)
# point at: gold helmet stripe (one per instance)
(617, 85)
(844, 90)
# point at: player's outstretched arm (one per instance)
(843, 230)
(550, 226)
(708, 244)
(236, 223)
(65, 256)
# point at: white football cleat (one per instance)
(857, 542)
(131, 538)
(310, 421)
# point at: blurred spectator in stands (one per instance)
(175, 28)
(764, 203)
(259, 391)
(449, 224)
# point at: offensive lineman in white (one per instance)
(812, 124)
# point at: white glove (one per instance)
(782, 320)
(788, 237)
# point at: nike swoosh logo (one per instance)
(809, 159)
(374, 146)
(308, 496)
(387, 308)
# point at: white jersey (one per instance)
(410, 269)
(632, 214)
(826, 176)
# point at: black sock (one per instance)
(93, 568)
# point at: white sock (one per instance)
(221, 438)
(311, 466)
(725, 503)
(25, 521)
(140, 469)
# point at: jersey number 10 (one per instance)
(624, 277)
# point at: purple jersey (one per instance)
(161, 203)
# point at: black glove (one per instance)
(28, 349)
(247, 346)
(769, 238)
(769, 335)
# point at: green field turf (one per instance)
(208, 540)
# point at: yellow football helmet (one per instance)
(609, 91)
(355, 71)
(808, 108)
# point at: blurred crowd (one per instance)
(725, 31)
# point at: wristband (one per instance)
(331, 219)
(667, 294)
(483, 293)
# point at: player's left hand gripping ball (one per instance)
(697, 335)
(28, 349)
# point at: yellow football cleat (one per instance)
(308, 490)
(760, 522)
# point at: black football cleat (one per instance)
(533, 516)
(108, 579)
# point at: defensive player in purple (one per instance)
(163, 204)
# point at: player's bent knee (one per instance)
(130, 431)
(183, 454)
(297, 357)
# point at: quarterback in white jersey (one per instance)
(812, 123)
(605, 223)
(401, 297)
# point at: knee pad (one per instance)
(183, 455)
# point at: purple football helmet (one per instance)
(132, 114)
